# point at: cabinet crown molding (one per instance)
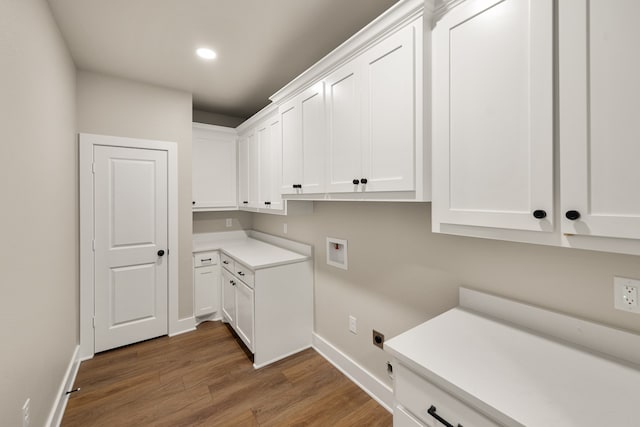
(267, 111)
(442, 7)
(395, 17)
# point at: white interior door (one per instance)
(130, 222)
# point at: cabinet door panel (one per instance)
(228, 297)
(291, 147)
(206, 290)
(214, 168)
(344, 158)
(313, 139)
(275, 163)
(264, 180)
(243, 172)
(389, 100)
(493, 121)
(254, 171)
(244, 305)
(600, 130)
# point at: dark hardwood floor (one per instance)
(204, 378)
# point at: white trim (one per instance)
(182, 326)
(221, 129)
(86, 143)
(59, 405)
(380, 392)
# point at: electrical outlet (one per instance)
(229, 222)
(26, 413)
(378, 339)
(625, 294)
(353, 325)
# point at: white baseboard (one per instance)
(182, 326)
(375, 388)
(59, 405)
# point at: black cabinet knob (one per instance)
(363, 181)
(539, 214)
(160, 252)
(267, 203)
(572, 215)
(193, 203)
(356, 182)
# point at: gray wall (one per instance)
(400, 274)
(39, 215)
(114, 106)
(200, 116)
(210, 222)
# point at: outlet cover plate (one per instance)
(625, 294)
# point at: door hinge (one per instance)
(94, 322)
(93, 245)
(93, 168)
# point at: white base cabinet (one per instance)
(271, 309)
(206, 284)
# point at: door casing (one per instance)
(87, 307)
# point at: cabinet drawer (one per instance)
(244, 273)
(206, 258)
(227, 262)
(417, 395)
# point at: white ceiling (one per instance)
(261, 44)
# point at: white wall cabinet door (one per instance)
(228, 297)
(599, 117)
(253, 169)
(275, 164)
(344, 139)
(263, 136)
(390, 97)
(303, 142)
(214, 168)
(493, 115)
(243, 172)
(244, 307)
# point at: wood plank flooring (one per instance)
(204, 378)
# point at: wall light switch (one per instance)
(353, 325)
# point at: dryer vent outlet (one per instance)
(378, 339)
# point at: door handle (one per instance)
(161, 252)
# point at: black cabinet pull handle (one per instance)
(267, 203)
(160, 252)
(572, 215)
(240, 273)
(297, 185)
(356, 182)
(432, 412)
(364, 181)
(232, 282)
(539, 214)
(245, 203)
(225, 262)
(193, 203)
(205, 259)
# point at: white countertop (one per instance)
(518, 377)
(253, 253)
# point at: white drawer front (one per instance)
(245, 274)
(228, 263)
(206, 258)
(417, 395)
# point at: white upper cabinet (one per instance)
(344, 139)
(373, 106)
(243, 171)
(391, 94)
(213, 168)
(600, 117)
(493, 115)
(303, 138)
(269, 145)
(253, 170)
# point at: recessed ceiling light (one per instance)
(206, 53)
